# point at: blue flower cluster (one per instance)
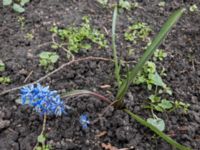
(43, 100)
(84, 121)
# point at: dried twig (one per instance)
(56, 70)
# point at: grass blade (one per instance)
(149, 51)
(117, 66)
(158, 132)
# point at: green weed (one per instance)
(17, 5)
(137, 31)
(48, 59)
(5, 80)
(2, 66)
(78, 38)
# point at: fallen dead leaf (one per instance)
(110, 147)
(100, 134)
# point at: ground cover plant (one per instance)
(111, 92)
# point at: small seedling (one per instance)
(29, 36)
(193, 8)
(21, 21)
(2, 66)
(181, 105)
(41, 141)
(161, 4)
(158, 104)
(103, 2)
(124, 4)
(159, 54)
(137, 31)
(5, 80)
(17, 6)
(77, 38)
(48, 59)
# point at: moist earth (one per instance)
(20, 126)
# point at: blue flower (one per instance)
(84, 121)
(42, 99)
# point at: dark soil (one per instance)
(20, 126)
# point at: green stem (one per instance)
(117, 67)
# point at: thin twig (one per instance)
(28, 76)
(103, 112)
(61, 46)
(56, 70)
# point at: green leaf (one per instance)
(116, 61)
(149, 52)
(158, 108)
(44, 55)
(165, 104)
(157, 80)
(156, 131)
(54, 58)
(41, 138)
(2, 66)
(7, 2)
(23, 2)
(18, 8)
(157, 122)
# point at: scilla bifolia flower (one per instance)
(42, 100)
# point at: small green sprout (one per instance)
(48, 59)
(5, 80)
(161, 105)
(41, 141)
(29, 36)
(137, 31)
(103, 2)
(124, 4)
(17, 6)
(158, 104)
(77, 38)
(159, 54)
(21, 21)
(181, 105)
(2, 66)
(193, 8)
(161, 4)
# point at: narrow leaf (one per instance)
(155, 130)
(149, 51)
(117, 67)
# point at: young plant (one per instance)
(103, 2)
(125, 4)
(193, 8)
(77, 38)
(46, 103)
(17, 5)
(48, 59)
(131, 74)
(137, 31)
(2, 66)
(5, 80)
(158, 104)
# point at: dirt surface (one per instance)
(20, 126)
